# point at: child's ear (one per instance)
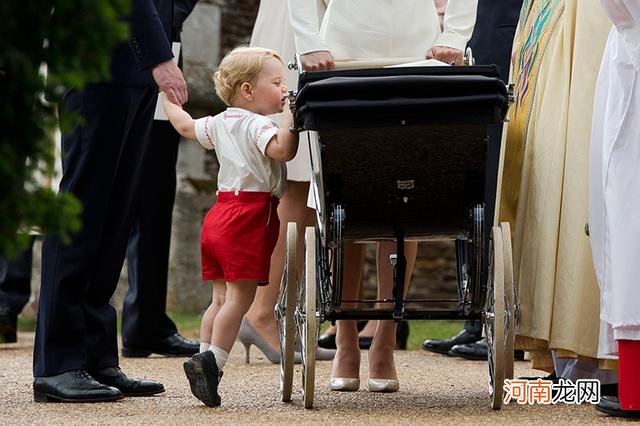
(246, 91)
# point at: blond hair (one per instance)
(240, 65)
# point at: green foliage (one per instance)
(74, 42)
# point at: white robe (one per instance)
(352, 29)
(614, 179)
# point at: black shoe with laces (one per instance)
(174, 345)
(444, 346)
(129, 386)
(73, 386)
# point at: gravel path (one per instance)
(434, 389)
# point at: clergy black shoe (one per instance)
(444, 346)
(129, 386)
(73, 386)
(611, 406)
(474, 351)
(174, 345)
(8, 325)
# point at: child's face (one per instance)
(269, 91)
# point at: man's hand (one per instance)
(447, 55)
(170, 80)
(317, 61)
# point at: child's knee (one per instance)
(218, 300)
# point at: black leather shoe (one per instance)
(174, 345)
(474, 351)
(8, 325)
(129, 386)
(444, 346)
(202, 372)
(611, 406)
(327, 341)
(73, 386)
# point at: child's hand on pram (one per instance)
(317, 61)
(445, 54)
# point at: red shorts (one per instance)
(238, 237)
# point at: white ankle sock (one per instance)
(221, 356)
(204, 346)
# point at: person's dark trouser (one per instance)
(144, 319)
(102, 159)
(15, 287)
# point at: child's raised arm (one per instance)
(179, 118)
(284, 145)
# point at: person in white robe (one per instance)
(369, 29)
(614, 186)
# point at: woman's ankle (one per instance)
(346, 363)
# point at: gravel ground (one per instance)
(434, 389)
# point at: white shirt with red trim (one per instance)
(240, 138)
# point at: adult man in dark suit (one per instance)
(491, 43)
(146, 328)
(76, 352)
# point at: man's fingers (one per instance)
(171, 96)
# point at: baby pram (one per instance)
(399, 154)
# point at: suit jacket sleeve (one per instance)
(459, 20)
(181, 10)
(306, 16)
(148, 40)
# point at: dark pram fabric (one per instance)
(400, 97)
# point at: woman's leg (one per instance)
(292, 208)
(219, 289)
(381, 363)
(239, 296)
(347, 359)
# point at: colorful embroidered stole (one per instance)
(538, 19)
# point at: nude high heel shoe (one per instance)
(247, 335)
(384, 385)
(344, 384)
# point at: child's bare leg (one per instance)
(239, 296)
(219, 289)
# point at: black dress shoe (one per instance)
(73, 386)
(8, 325)
(327, 341)
(611, 406)
(129, 386)
(474, 351)
(202, 372)
(174, 345)
(444, 346)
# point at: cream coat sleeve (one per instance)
(459, 20)
(306, 17)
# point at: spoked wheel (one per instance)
(306, 318)
(494, 317)
(509, 300)
(285, 310)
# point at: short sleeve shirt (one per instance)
(240, 138)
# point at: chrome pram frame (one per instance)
(486, 289)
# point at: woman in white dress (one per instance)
(615, 201)
(350, 29)
(273, 30)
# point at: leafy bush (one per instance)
(74, 39)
